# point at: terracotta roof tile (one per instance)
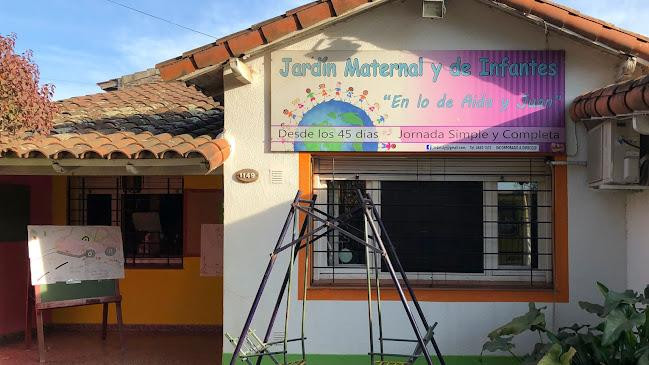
(617, 99)
(592, 28)
(237, 44)
(156, 120)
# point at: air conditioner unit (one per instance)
(613, 155)
(434, 9)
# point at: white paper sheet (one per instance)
(67, 253)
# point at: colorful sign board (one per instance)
(419, 101)
(75, 253)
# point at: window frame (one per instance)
(559, 292)
(493, 271)
(116, 186)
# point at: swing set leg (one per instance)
(262, 285)
(282, 289)
(397, 263)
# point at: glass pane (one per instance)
(435, 226)
(153, 224)
(99, 211)
(342, 200)
(517, 223)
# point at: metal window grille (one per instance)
(455, 222)
(149, 210)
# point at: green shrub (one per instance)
(621, 338)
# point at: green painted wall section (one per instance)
(362, 359)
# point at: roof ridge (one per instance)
(313, 13)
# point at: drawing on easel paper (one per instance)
(74, 253)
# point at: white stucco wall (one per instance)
(254, 213)
(637, 215)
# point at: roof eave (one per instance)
(564, 31)
(105, 167)
(282, 41)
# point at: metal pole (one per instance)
(262, 285)
(393, 275)
(369, 296)
(378, 305)
(278, 302)
(288, 303)
(405, 280)
(304, 288)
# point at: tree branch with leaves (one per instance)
(25, 105)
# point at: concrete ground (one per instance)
(141, 347)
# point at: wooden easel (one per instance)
(39, 306)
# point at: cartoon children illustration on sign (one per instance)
(310, 95)
(350, 93)
(298, 103)
(323, 91)
(338, 89)
(363, 96)
(334, 101)
(290, 114)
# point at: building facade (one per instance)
(480, 232)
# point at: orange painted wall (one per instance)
(158, 296)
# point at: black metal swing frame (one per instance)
(374, 244)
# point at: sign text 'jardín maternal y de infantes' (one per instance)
(418, 101)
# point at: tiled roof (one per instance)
(586, 26)
(617, 99)
(237, 44)
(157, 120)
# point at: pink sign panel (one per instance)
(386, 101)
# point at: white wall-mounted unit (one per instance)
(613, 151)
(434, 9)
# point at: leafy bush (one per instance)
(622, 337)
(24, 104)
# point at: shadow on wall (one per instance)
(248, 243)
(343, 48)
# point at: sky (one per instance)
(77, 43)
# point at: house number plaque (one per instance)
(246, 175)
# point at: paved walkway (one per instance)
(76, 347)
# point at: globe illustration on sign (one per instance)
(336, 113)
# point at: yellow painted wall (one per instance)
(160, 296)
(154, 296)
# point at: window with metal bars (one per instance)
(149, 210)
(455, 222)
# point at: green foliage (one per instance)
(621, 337)
(530, 321)
(556, 356)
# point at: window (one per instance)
(148, 209)
(454, 222)
(436, 226)
(341, 250)
(517, 224)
